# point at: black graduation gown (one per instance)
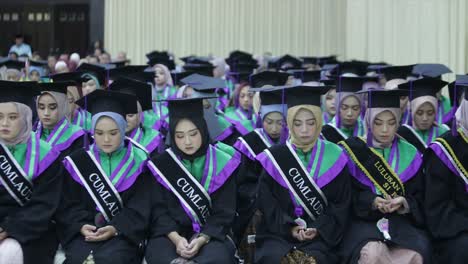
(446, 207)
(168, 216)
(406, 230)
(247, 189)
(78, 208)
(274, 239)
(31, 224)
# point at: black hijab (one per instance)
(200, 123)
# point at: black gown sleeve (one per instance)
(445, 218)
(223, 208)
(333, 222)
(73, 212)
(161, 223)
(363, 198)
(277, 221)
(32, 220)
(132, 221)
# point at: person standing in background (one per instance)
(20, 47)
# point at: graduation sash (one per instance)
(374, 166)
(97, 183)
(410, 135)
(332, 133)
(185, 186)
(254, 142)
(138, 145)
(13, 177)
(458, 160)
(299, 183)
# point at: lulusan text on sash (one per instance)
(374, 166)
(14, 178)
(97, 183)
(185, 187)
(303, 187)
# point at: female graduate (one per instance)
(76, 115)
(328, 105)
(446, 198)
(348, 121)
(394, 76)
(241, 113)
(423, 107)
(30, 179)
(145, 138)
(163, 85)
(192, 220)
(387, 218)
(304, 193)
(54, 126)
(272, 132)
(93, 78)
(104, 212)
(202, 86)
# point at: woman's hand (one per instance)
(310, 233)
(193, 247)
(3, 234)
(381, 204)
(101, 234)
(397, 204)
(88, 230)
(181, 246)
(298, 233)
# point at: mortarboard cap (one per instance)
(423, 87)
(308, 76)
(68, 76)
(178, 76)
(304, 95)
(352, 84)
(272, 78)
(396, 72)
(19, 92)
(435, 70)
(13, 64)
(379, 98)
(202, 69)
(108, 101)
(203, 83)
(97, 71)
(125, 71)
(58, 87)
(354, 67)
(140, 89)
(186, 107)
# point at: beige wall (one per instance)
(298, 27)
(396, 31)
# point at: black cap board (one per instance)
(19, 92)
(108, 101)
(384, 98)
(140, 89)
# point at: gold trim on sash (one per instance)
(453, 156)
(367, 173)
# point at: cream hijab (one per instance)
(292, 112)
(25, 115)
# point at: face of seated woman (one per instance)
(10, 124)
(273, 124)
(107, 135)
(424, 117)
(384, 128)
(187, 137)
(47, 110)
(350, 109)
(304, 126)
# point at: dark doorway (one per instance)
(60, 26)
